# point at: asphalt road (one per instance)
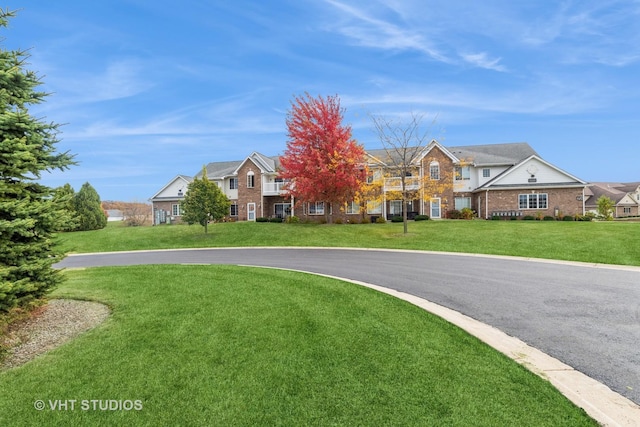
(586, 316)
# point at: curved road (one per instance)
(587, 316)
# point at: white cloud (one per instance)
(482, 60)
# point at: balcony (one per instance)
(273, 188)
(395, 184)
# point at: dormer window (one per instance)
(250, 179)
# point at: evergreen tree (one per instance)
(29, 215)
(88, 209)
(64, 197)
(203, 202)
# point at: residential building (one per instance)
(625, 196)
(493, 180)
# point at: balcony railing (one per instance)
(395, 184)
(273, 188)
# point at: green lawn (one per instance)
(223, 345)
(598, 242)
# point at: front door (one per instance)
(435, 208)
(251, 211)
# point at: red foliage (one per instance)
(323, 161)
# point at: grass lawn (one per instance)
(597, 242)
(223, 345)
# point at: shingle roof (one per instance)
(220, 170)
(494, 154)
(482, 155)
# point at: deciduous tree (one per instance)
(605, 207)
(29, 214)
(204, 201)
(322, 160)
(404, 143)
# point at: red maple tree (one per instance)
(322, 160)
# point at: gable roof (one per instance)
(185, 178)
(613, 190)
(266, 164)
(571, 181)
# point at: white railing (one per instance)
(395, 184)
(273, 188)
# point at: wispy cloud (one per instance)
(370, 31)
(482, 60)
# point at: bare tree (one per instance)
(404, 143)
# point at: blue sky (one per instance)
(151, 89)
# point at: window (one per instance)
(316, 208)
(281, 210)
(462, 202)
(626, 210)
(352, 208)
(233, 183)
(434, 170)
(250, 179)
(533, 201)
(463, 173)
(374, 207)
(395, 207)
(233, 209)
(486, 173)
(175, 210)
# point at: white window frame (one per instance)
(434, 171)
(533, 201)
(374, 207)
(486, 173)
(463, 173)
(175, 209)
(316, 208)
(394, 207)
(233, 209)
(460, 203)
(233, 183)
(352, 208)
(250, 179)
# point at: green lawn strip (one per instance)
(597, 242)
(223, 345)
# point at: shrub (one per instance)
(396, 218)
(568, 218)
(467, 213)
(529, 218)
(421, 218)
(293, 219)
(365, 220)
(495, 218)
(454, 214)
(548, 218)
(381, 220)
(513, 218)
(262, 219)
(275, 219)
(338, 221)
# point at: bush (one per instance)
(513, 218)
(396, 218)
(293, 219)
(495, 218)
(381, 220)
(262, 219)
(529, 218)
(276, 219)
(454, 214)
(421, 218)
(548, 218)
(569, 218)
(467, 213)
(338, 221)
(365, 220)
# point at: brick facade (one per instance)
(560, 201)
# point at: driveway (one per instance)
(587, 316)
